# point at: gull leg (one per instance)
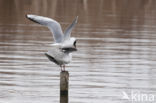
(61, 68)
(64, 67)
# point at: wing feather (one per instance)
(53, 25)
(68, 31)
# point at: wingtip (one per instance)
(31, 17)
(28, 15)
(76, 19)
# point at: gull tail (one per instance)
(51, 58)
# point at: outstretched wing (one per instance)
(53, 25)
(69, 29)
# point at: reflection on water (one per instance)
(117, 50)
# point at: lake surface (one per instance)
(116, 51)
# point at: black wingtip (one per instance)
(26, 15)
(45, 53)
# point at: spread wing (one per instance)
(68, 31)
(53, 25)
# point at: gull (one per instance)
(61, 51)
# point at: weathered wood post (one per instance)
(64, 81)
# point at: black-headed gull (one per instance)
(61, 50)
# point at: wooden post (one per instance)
(64, 81)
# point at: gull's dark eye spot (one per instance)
(75, 43)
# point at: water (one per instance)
(116, 50)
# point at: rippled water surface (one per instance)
(116, 50)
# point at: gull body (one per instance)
(59, 56)
(61, 51)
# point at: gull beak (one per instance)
(75, 49)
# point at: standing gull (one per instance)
(61, 51)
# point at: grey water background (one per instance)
(116, 50)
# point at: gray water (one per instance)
(116, 51)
